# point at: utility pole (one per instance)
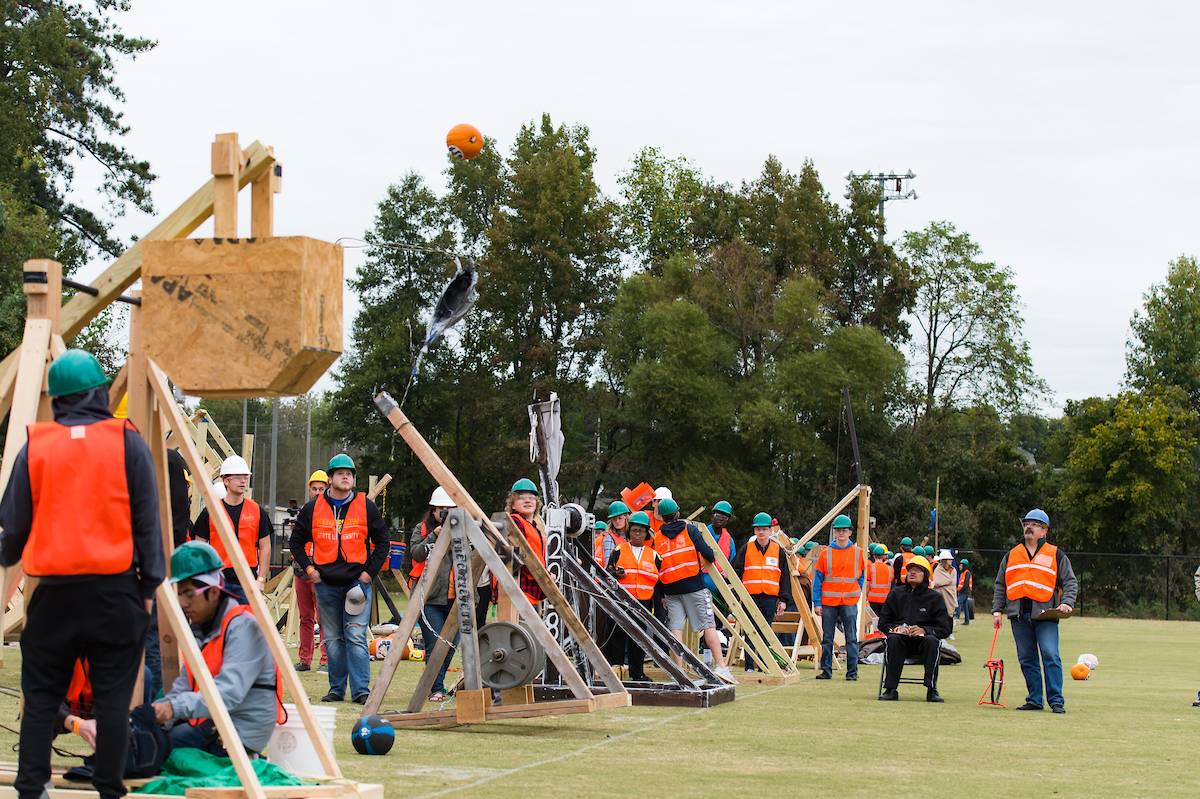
(307, 442)
(892, 186)
(274, 460)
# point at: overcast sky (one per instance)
(1062, 136)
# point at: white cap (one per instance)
(945, 555)
(234, 464)
(219, 489)
(440, 499)
(662, 492)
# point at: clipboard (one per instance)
(1053, 614)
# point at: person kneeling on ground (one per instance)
(915, 620)
(236, 654)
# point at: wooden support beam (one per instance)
(827, 518)
(226, 164)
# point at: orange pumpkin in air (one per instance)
(464, 141)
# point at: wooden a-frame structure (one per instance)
(153, 410)
(472, 531)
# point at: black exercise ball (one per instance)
(372, 736)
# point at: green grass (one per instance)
(1129, 732)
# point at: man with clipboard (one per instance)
(1036, 587)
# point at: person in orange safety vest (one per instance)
(838, 579)
(763, 568)
(251, 523)
(879, 578)
(1036, 577)
(636, 566)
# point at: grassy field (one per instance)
(1129, 732)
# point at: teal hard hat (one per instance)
(928, 551)
(906, 542)
(761, 520)
(963, 562)
(640, 518)
(601, 526)
(525, 486)
(723, 507)
(667, 506)
(875, 549)
(842, 522)
(616, 509)
(75, 371)
(192, 558)
(1036, 515)
(808, 545)
(340, 461)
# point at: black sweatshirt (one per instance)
(916, 605)
(340, 572)
(16, 508)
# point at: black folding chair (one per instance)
(912, 661)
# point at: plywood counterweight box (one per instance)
(240, 318)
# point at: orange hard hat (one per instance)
(1080, 671)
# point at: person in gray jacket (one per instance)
(1036, 577)
(236, 654)
(437, 596)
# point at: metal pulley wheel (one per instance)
(509, 655)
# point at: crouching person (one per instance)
(236, 654)
(915, 619)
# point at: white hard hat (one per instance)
(219, 489)
(945, 555)
(234, 464)
(440, 499)
(662, 492)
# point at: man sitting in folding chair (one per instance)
(915, 619)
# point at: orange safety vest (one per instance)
(418, 568)
(346, 535)
(247, 534)
(641, 573)
(905, 557)
(964, 577)
(536, 540)
(1034, 577)
(598, 548)
(79, 692)
(761, 572)
(679, 558)
(81, 516)
(655, 525)
(214, 657)
(841, 569)
(880, 575)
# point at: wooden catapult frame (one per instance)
(471, 530)
(153, 410)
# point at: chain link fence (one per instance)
(1110, 584)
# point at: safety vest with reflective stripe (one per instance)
(964, 581)
(214, 658)
(679, 558)
(1034, 577)
(641, 574)
(247, 534)
(761, 572)
(598, 550)
(905, 557)
(880, 575)
(81, 516)
(841, 569)
(346, 533)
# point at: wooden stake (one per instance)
(226, 166)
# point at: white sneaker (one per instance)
(725, 674)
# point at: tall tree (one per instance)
(1165, 348)
(971, 346)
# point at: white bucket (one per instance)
(290, 747)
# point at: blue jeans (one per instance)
(1034, 638)
(766, 606)
(964, 605)
(847, 617)
(431, 621)
(153, 656)
(345, 639)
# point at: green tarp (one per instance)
(192, 768)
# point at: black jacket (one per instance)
(16, 508)
(341, 572)
(916, 605)
(696, 582)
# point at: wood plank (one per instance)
(536, 709)
(408, 623)
(295, 689)
(826, 519)
(471, 706)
